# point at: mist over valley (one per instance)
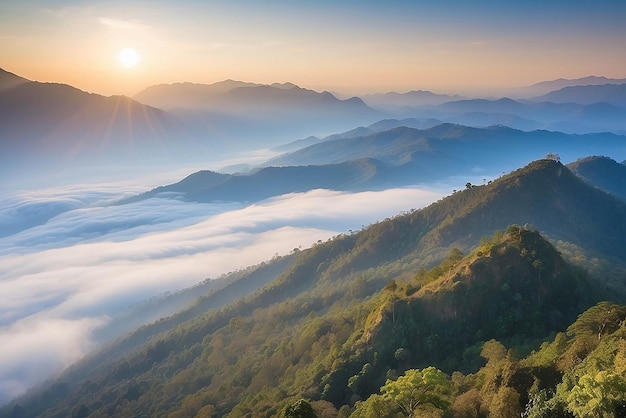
(331, 210)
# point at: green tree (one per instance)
(418, 388)
(299, 409)
(596, 396)
(455, 254)
(374, 407)
(493, 351)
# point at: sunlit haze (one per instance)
(128, 57)
(354, 47)
(149, 145)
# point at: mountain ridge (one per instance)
(60, 121)
(472, 146)
(228, 95)
(603, 172)
(549, 85)
(614, 94)
(245, 115)
(398, 157)
(395, 101)
(8, 79)
(313, 293)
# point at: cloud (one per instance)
(120, 24)
(39, 347)
(61, 279)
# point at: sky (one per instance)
(355, 47)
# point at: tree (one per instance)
(455, 255)
(505, 403)
(596, 396)
(468, 405)
(299, 409)
(493, 351)
(418, 388)
(374, 407)
(553, 156)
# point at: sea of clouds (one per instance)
(70, 259)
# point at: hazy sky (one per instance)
(349, 46)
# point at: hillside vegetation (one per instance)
(347, 315)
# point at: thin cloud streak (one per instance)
(62, 279)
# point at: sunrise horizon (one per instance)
(453, 48)
(344, 91)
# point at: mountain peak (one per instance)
(602, 172)
(8, 80)
(285, 86)
(544, 87)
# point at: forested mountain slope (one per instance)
(603, 172)
(330, 341)
(358, 299)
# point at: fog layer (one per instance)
(79, 261)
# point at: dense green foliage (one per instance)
(317, 343)
(580, 373)
(348, 316)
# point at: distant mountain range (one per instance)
(527, 115)
(393, 101)
(51, 127)
(58, 126)
(614, 94)
(548, 86)
(393, 158)
(244, 113)
(379, 126)
(188, 95)
(492, 149)
(346, 307)
(47, 122)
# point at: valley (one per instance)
(481, 240)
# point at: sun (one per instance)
(128, 57)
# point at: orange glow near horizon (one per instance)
(425, 47)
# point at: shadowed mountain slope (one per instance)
(208, 186)
(8, 80)
(56, 122)
(603, 172)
